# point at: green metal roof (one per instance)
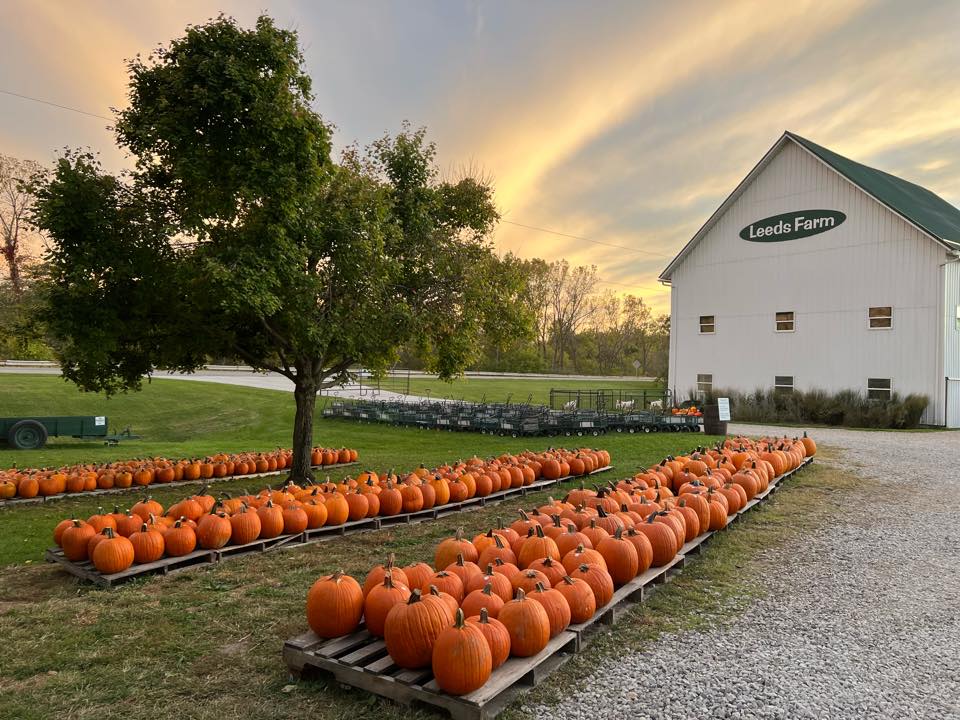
(918, 205)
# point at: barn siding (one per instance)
(951, 334)
(828, 280)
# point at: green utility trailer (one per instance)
(30, 433)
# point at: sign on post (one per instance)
(723, 405)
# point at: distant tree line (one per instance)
(578, 328)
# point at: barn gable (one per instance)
(926, 211)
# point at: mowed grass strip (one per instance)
(206, 643)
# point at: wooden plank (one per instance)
(366, 654)
(339, 646)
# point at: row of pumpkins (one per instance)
(31, 482)
(146, 532)
(509, 590)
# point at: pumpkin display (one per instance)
(334, 605)
(637, 523)
(30, 482)
(462, 660)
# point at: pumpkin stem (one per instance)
(520, 594)
(415, 595)
(337, 575)
(458, 621)
(539, 531)
(487, 589)
(618, 533)
(484, 616)
(539, 587)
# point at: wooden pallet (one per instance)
(146, 488)
(361, 661)
(86, 571)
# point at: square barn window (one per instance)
(879, 388)
(707, 324)
(785, 321)
(880, 318)
(704, 384)
(783, 383)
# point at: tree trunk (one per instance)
(13, 268)
(305, 394)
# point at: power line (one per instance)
(589, 240)
(56, 105)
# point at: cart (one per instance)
(30, 433)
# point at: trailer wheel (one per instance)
(27, 435)
(619, 429)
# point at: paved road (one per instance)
(265, 381)
(861, 620)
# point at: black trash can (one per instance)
(712, 425)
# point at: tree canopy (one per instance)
(237, 234)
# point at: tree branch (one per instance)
(256, 362)
(285, 342)
(335, 372)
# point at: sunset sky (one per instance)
(625, 123)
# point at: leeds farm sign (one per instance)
(792, 225)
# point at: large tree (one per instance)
(237, 235)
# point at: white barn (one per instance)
(818, 272)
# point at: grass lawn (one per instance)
(212, 637)
(498, 389)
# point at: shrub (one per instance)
(846, 407)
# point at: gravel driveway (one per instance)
(862, 620)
